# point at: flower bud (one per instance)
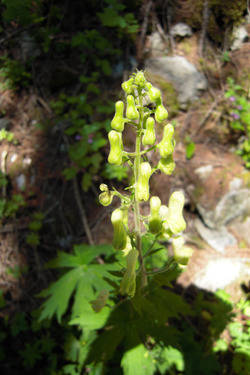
(127, 85)
(140, 79)
(128, 247)
(167, 144)
(153, 92)
(175, 219)
(166, 165)
(118, 120)
(106, 198)
(142, 187)
(128, 284)
(116, 147)
(104, 187)
(120, 235)
(149, 136)
(182, 253)
(160, 113)
(131, 112)
(164, 213)
(155, 223)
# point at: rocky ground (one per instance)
(215, 181)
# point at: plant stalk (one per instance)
(136, 203)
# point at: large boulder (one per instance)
(184, 76)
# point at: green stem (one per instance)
(136, 203)
(162, 270)
(141, 153)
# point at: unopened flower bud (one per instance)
(106, 198)
(128, 284)
(140, 79)
(153, 92)
(116, 148)
(128, 247)
(120, 235)
(155, 222)
(167, 144)
(149, 136)
(175, 219)
(118, 120)
(166, 165)
(182, 253)
(142, 187)
(127, 85)
(131, 112)
(104, 187)
(160, 113)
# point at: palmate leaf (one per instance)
(59, 294)
(138, 361)
(83, 254)
(84, 279)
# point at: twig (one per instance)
(83, 213)
(205, 18)
(208, 113)
(144, 27)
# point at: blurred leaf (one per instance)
(190, 148)
(138, 361)
(86, 181)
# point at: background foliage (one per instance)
(72, 326)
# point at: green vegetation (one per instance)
(103, 309)
(238, 108)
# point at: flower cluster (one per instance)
(164, 222)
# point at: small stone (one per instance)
(204, 172)
(240, 36)
(27, 161)
(21, 182)
(235, 184)
(13, 158)
(180, 29)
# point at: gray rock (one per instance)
(241, 228)
(220, 273)
(235, 184)
(157, 45)
(5, 123)
(234, 204)
(184, 76)
(21, 182)
(29, 47)
(219, 239)
(240, 36)
(180, 29)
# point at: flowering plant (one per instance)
(163, 222)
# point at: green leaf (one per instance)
(90, 319)
(104, 346)
(86, 181)
(170, 357)
(59, 294)
(19, 324)
(70, 173)
(138, 361)
(190, 148)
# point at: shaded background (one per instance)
(61, 67)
